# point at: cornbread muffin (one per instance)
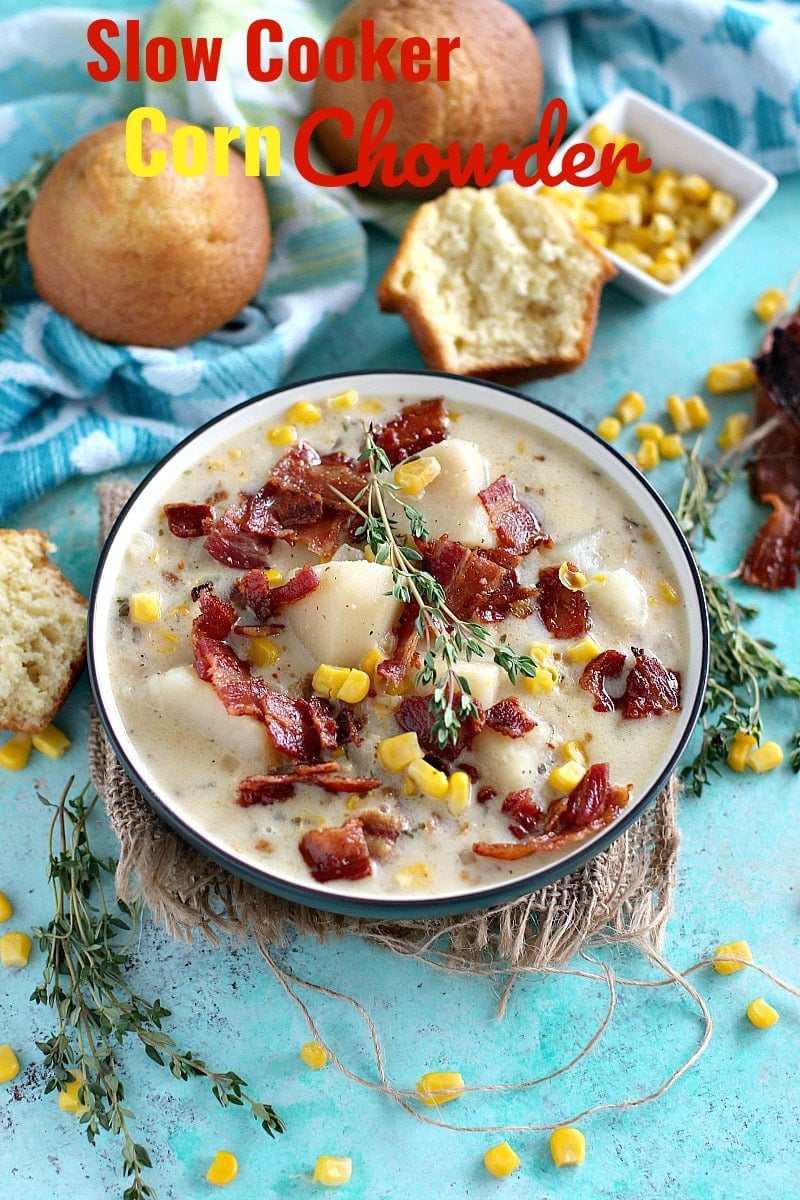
(497, 283)
(149, 261)
(42, 632)
(493, 94)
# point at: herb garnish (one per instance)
(16, 202)
(86, 946)
(446, 638)
(743, 669)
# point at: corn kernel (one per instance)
(670, 446)
(734, 430)
(145, 607)
(630, 407)
(665, 272)
(575, 751)
(314, 1056)
(567, 777)
(15, 753)
(458, 793)
(584, 651)
(263, 652)
(731, 950)
(769, 304)
(51, 742)
(666, 196)
(9, 1064)
(348, 399)
(611, 208)
(648, 456)
(327, 680)
(68, 1095)
(570, 577)
(678, 414)
(695, 188)
(741, 746)
(543, 682)
(661, 229)
(761, 1014)
(609, 428)
(430, 781)
(6, 909)
(649, 429)
(501, 1160)
(600, 135)
(440, 1087)
(15, 949)
(223, 1169)
(331, 1171)
(373, 407)
(720, 207)
(567, 1146)
(668, 592)
(541, 653)
(734, 376)
(370, 661)
(304, 413)
(631, 253)
(355, 688)
(282, 435)
(274, 576)
(765, 758)
(697, 412)
(398, 752)
(413, 477)
(412, 875)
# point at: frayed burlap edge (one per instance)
(623, 894)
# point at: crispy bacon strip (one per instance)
(476, 587)
(773, 557)
(266, 601)
(301, 729)
(565, 613)
(228, 543)
(340, 852)
(239, 690)
(510, 718)
(413, 714)
(650, 689)
(188, 520)
(609, 664)
(517, 528)
(526, 815)
(268, 789)
(415, 428)
(404, 657)
(216, 617)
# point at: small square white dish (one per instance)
(674, 142)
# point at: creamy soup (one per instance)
(270, 667)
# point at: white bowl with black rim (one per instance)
(217, 835)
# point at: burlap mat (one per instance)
(623, 894)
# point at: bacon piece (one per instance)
(340, 852)
(413, 714)
(565, 613)
(415, 428)
(515, 525)
(381, 829)
(510, 718)
(233, 546)
(609, 664)
(240, 691)
(216, 617)
(475, 585)
(264, 789)
(404, 657)
(773, 557)
(525, 813)
(301, 729)
(188, 520)
(267, 789)
(651, 688)
(303, 472)
(265, 601)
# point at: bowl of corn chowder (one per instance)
(397, 643)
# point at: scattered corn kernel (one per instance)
(430, 781)
(263, 652)
(697, 411)
(6, 909)
(609, 428)
(769, 304)
(398, 752)
(348, 399)
(304, 413)
(501, 1160)
(543, 682)
(459, 790)
(327, 680)
(439, 1087)
(584, 650)
(282, 435)
(567, 777)
(765, 758)
(68, 1095)
(648, 456)
(570, 577)
(15, 753)
(51, 742)
(413, 477)
(313, 1056)
(734, 430)
(575, 751)
(355, 688)
(9, 1064)
(145, 607)
(667, 591)
(671, 446)
(223, 1169)
(331, 1171)
(741, 746)
(412, 875)
(649, 429)
(15, 949)
(630, 407)
(761, 1014)
(731, 376)
(678, 414)
(731, 950)
(567, 1146)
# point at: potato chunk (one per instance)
(351, 611)
(620, 600)
(181, 697)
(508, 764)
(450, 503)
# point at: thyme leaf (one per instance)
(16, 202)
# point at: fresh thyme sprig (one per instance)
(16, 202)
(86, 945)
(743, 669)
(446, 638)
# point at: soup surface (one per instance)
(397, 648)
